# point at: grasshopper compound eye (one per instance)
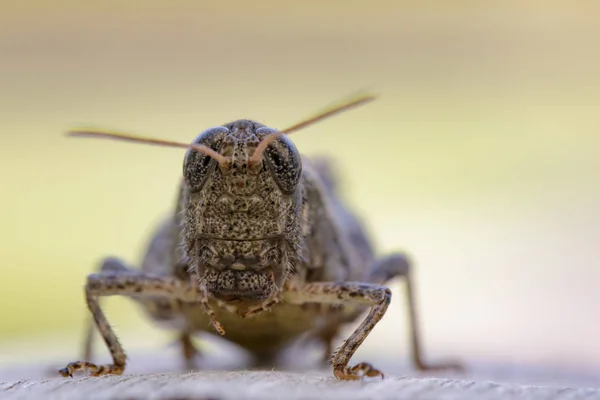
(282, 159)
(198, 165)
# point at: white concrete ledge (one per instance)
(276, 385)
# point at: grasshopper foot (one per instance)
(96, 370)
(357, 372)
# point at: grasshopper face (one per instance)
(242, 213)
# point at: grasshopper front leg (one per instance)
(349, 293)
(127, 283)
(189, 351)
(109, 264)
(399, 266)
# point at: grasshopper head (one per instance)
(247, 148)
(243, 211)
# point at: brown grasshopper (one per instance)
(261, 248)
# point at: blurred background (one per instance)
(480, 158)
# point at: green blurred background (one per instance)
(480, 157)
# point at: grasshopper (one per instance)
(261, 248)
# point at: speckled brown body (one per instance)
(247, 224)
(262, 251)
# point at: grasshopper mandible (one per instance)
(259, 247)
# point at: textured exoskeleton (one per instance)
(261, 249)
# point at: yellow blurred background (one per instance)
(480, 158)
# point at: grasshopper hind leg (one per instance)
(189, 351)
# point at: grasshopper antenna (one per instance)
(139, 139)
(222, 160)
(343, 105)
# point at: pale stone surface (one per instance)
(156, 377)
(276, 385)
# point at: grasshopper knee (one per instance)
(389, 267)
(112, 264)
